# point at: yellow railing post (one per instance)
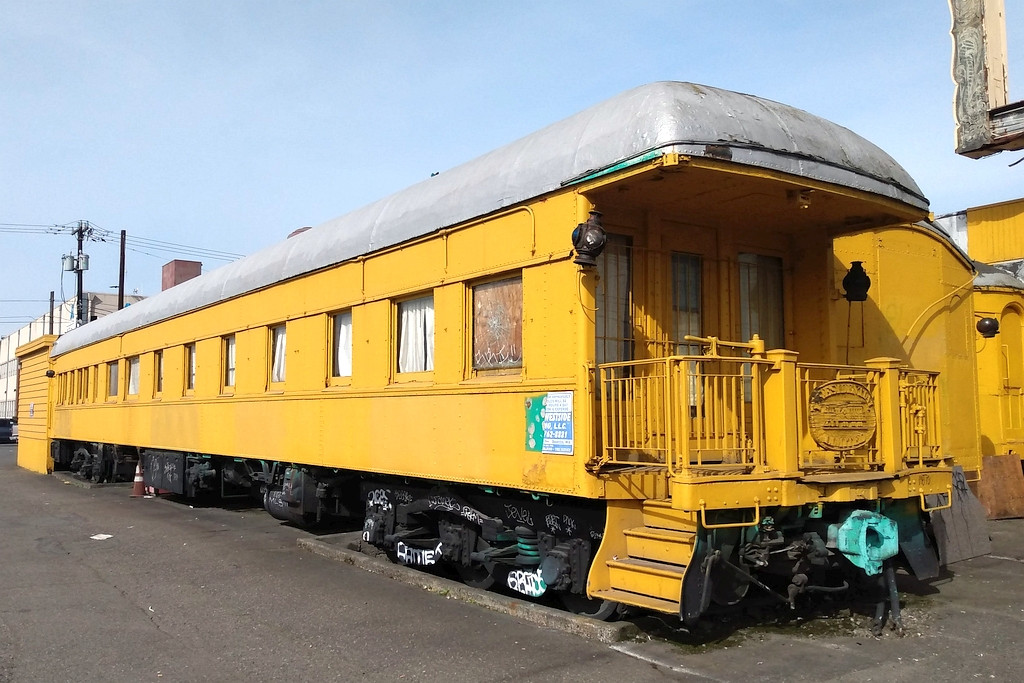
(782, 434)
(890, 437)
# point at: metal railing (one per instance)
(683, 412)
(919, 417)
(711, 415)
(696, 413)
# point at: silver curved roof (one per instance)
(655, 119)
(992, 276)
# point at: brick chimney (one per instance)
(178, 271)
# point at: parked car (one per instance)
(8, 429)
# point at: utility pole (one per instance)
(120, 276)
(79, 272)
(79, 262)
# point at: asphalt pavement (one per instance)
(96, 585)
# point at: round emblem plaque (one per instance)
(841, 414)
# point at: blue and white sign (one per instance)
(549, 423)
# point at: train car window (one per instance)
(614, 300)
(686, 301)
(278, 344)
(498, 324)
(112, 379)
(761, 310)
(85, 384)
(158, 372)
(190, 367)
(228, 360)
(341, 344)
(416, 335)
(133, 376)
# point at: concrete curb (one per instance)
(337, 547)
(69, 478)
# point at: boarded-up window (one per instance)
(498, 324)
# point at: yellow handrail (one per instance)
(730, 525)
(949, 501)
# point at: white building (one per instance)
(98, 304)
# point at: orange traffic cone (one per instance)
(139, 487)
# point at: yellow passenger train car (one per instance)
(684, 346)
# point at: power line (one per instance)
(161, 245)
(100, 234)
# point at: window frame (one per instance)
(756, 263)
(273, 383)
(189, 369)
(471, 317)
(113, 380)
(614, 299)
(228, 364)
(332, 326)
(158, 373)
(398, 375)
(133, 366)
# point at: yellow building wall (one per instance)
(34, 405)
(995, 233)
(1001, 372)
(918, 311)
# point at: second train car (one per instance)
(686, 346)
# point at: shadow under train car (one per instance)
(287, 493)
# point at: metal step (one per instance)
(653, 579)
(660, 545)
(661, 515)
(637, 600)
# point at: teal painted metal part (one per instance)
(867, 539)
(647, 156)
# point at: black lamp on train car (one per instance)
(856, 283)
(987, 327)
(588, 239)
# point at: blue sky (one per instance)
(228, 124)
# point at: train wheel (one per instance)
(478, 574)
(602, 610)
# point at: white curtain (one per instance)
(342, 364)
(190, 351)
(133, 376)
(229, 361)
(277, 350)
(416, 335)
